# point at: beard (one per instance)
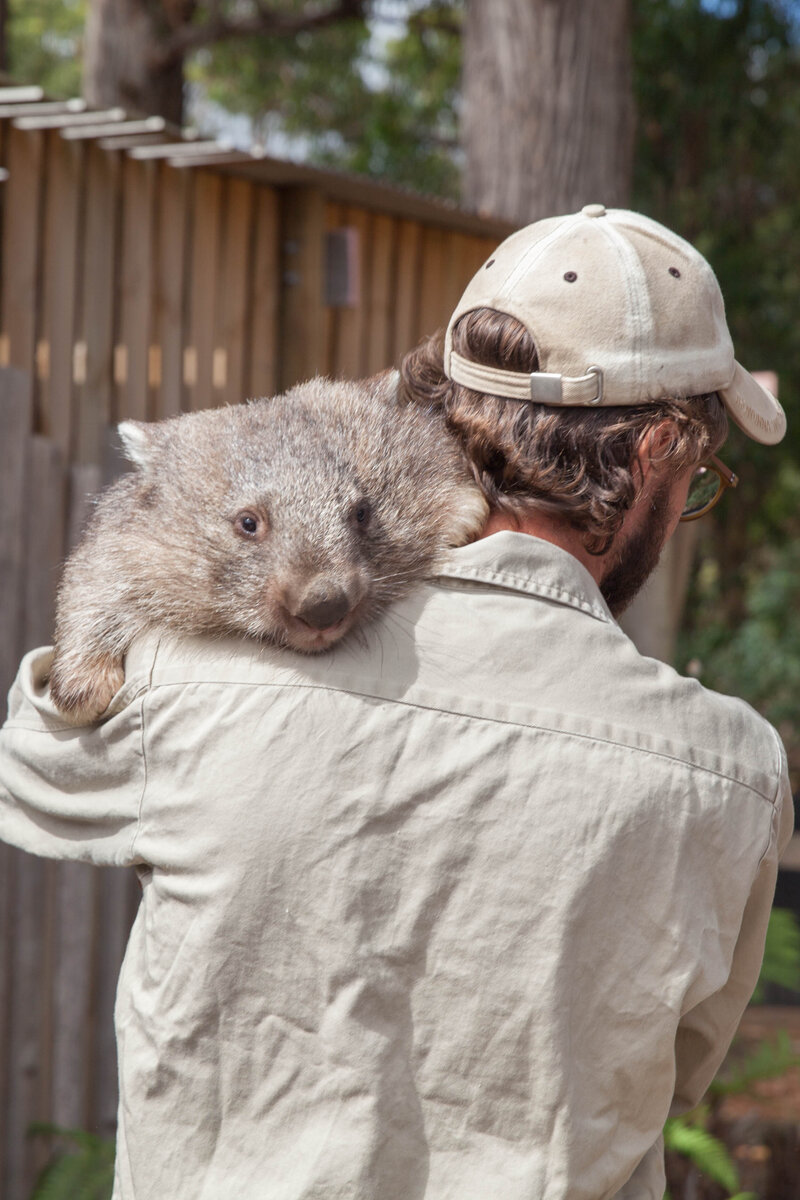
(637, 557)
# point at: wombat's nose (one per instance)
(322, 608)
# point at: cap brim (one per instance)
(754, 409)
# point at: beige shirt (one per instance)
(457, 911)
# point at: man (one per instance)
(460, 911)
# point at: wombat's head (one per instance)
(293, 519)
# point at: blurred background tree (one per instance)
(377, 86)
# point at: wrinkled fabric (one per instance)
(460, 910)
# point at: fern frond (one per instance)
(706, 1152)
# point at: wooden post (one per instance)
(302, 282)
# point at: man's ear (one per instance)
(655, 446)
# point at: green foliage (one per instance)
(781, 963)
(687, 1136)
(748, 644)
(82, 1167)
(44, 43)
(769, 1060)
(718, 158)
(353, 96)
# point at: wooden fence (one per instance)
(141, 287)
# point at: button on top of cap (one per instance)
(594, 210)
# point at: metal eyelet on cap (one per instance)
(570, 276)
(674, 272)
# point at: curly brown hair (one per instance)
(576, 464)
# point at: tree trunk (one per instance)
(123, 65)
(548, 106)
(548, 127)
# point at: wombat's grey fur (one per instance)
(289, 520)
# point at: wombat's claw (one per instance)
(83, 696)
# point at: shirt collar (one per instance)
(520, 562)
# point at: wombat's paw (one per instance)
(83, 693)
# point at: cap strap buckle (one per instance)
(562, 389)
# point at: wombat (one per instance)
(289, 520)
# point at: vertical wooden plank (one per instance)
(406, 326)
(72, 993)
(302, 278)
(199, 353)
(45, 505)
(6, 935)
(229, 368)
(467, 256)
(378, 353)
(26, 1005)
(330, 313)
(85, 481)
(363, 222)
(62, 211)
(4, 127)
(93, 354)
(14, 420)
(111, 929)
(352, 325)
(31, 1008)
(432, 289)
(14, 423)
(480, 251)
(170, 274)
(264, 295)
(20, 258)
(135, 291)
(458, 269)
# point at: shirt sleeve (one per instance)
(706, 1031)
(70, 792)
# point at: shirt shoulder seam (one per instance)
(495, 719)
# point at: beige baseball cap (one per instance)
(622, 312)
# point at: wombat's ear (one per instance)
(138, 442)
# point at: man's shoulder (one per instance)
(715, 731)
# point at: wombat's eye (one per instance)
(247, 523)
(362, 513)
